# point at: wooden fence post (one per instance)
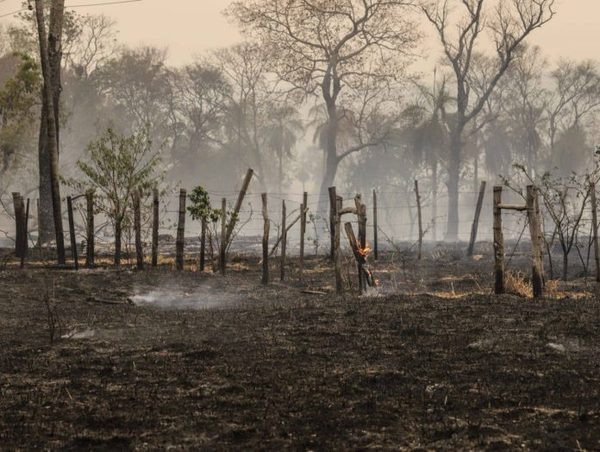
(26, 235)
(475, 226)
(335, 216)
(223, 244)
(203, 225)
(595, 228)
(535, 229)
(303, 212)
(72, 235)
(283, 241)
(19, 208)
(375, 227)
(137, 226)
(498, 242)
(420, 218)
(238, 206)
(265, 241)
(90, 240)
(180, 243)
(155, 225)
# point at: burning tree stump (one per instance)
(360, 254)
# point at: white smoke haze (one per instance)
(178, 299)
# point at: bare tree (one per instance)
(322, 48)
(509, 23)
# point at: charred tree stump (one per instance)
(137, 225)
(594, 202)
(180, 242)
(265, 240)
(283, 241)
(420, 219)
(72, 235)
(155, 226)
(364, 274)
(498, 243)
(475, 227)
(90, 239)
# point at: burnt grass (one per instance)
(440, 364)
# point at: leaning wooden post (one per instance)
(137, 226)
(238, 206)
(375, 227)
(537, 276)
(19, 208)
(420, 217)
(595, 228)
(180, 243)
(475, 226)
(89, 248)
(283, 241)
(155, 225)
(303, 212)
(265, 241)
(335, 204)
(72, 235)
(25, 234)
(361, 213)
(223, 244)
(498, 242)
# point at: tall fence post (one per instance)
(26, 235)
(89, 240)
(535, 229)
(72, 235)
(335, 204)
(420, 218)
(265, 241)
(475, 227)
(155, 225)
(19, 208)
(202, 265)
(283, 240)
(303, 212)
(137, 226)
(180, 243)
(498, 242)
(223, 244)
(375, 227)
(595, 228)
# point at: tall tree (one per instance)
(50, 58)
(509, 23)
(323, 48)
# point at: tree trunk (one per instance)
(45, 219)
(453, 186)
(118, 234)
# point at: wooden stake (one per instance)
(223, 244)
(137, 225)
(498, 242)
(335, 203)
(420, 217)
(180, 243)
(283, 241)
(26, 234)
(155, 225)
(72, 235)
(475, 226)
(303, 212)
(535, 229)
(238, 207)
(90, 239)
(19, 208)
(595, 228)
(375, 227)
(203, 225)
(265, 241)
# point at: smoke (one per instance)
(172, 298)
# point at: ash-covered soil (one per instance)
(205, 362)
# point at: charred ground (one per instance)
(441, 364)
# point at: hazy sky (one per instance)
(189, 27)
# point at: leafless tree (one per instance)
(508, 23)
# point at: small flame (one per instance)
(364, 252)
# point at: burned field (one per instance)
(147, 360)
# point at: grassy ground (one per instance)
(232, 365)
